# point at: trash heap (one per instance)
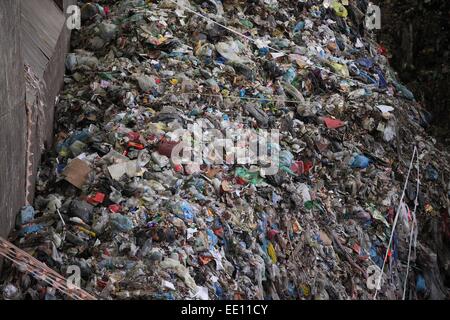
(111, 200)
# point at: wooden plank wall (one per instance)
(12, 115)
(33, 32)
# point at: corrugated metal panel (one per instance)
(42, 24)
(44, 43)
(10, 62)
(12, 116)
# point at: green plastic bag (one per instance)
(251, 177)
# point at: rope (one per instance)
(243, 98)
(395, 223)
(413, 228)
(254, 41)
(223, 26)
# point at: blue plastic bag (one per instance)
(299, 26)
(360, 162)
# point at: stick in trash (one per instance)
(41, 271)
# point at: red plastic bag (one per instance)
(333, 123)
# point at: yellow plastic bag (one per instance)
(272, 253)
(340, 69)
(339, 9)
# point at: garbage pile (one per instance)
(112, 200)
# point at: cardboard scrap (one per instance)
(77, 173)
